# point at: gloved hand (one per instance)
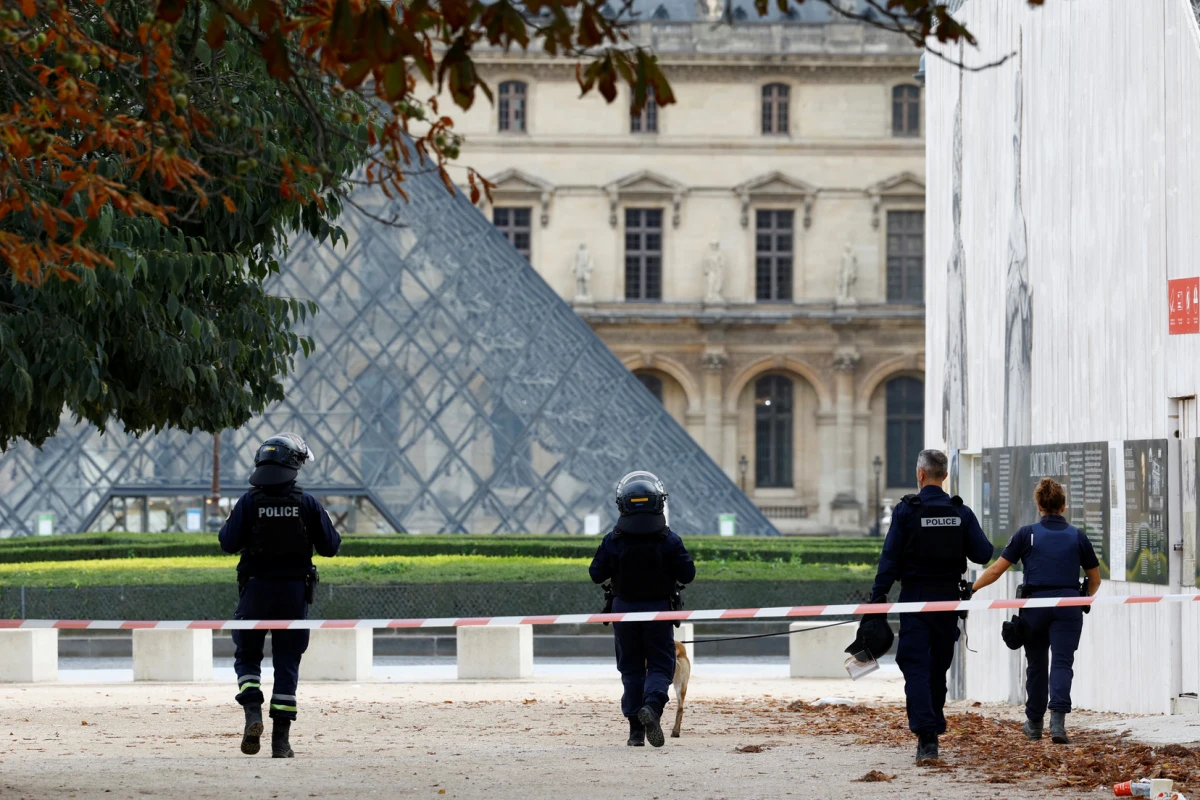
(874, 635)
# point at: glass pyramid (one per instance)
(450, 386)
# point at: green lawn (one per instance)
(80, 547)
(390, 569)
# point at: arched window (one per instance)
(775, 98)
(512, 106)
(773, 431)
(905, 429)
(906, 110)
(647, 121)
(653, 384)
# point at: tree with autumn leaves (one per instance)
(156, 156)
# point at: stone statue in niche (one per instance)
(714, 274)
(847, 277)
(583, 274)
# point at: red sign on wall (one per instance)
(1183, 306)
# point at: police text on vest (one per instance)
(940, 522)
(288, 511)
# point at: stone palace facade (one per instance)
(753, 252)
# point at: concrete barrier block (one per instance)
(28, 655)
(338, 654)
(819, 653)
(686, 632)
(183, 656)
(499, 651)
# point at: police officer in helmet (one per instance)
(927, 546)
(644, 560)
(275, 526)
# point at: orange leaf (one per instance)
(215, 36)
(230, 206)
(28, 8)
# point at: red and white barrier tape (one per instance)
(783, 612)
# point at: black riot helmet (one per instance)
(278, 460)
(641, 492)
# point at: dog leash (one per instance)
(765, 635)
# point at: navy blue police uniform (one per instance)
(1051, 553)
(276, 529)
(930, 538)
(644, 559)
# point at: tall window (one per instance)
(643, 253)
(773, 432)
(653, 384)
(775, 108)
(906, 110)
(773, 255)
(906, 257)
(905, 429)
(512, 106)
(647, 121)
(514, 224)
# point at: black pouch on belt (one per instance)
(310, 585)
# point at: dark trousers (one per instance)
(1051, 638)
(924, 654)
(265, 598)
(646, 659)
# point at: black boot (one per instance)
(1058, 727)
(279, 739)
(649, 719)
(1032, 728)
(253, 730)
(927, 747)
(637, 734)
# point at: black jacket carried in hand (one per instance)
(643, 558)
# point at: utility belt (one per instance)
(1026, 591)
(675, 599)
(310, 583)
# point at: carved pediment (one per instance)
(516, 183)
(645, 183)
(905, 186)
(776, 186)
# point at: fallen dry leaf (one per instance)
(751, 748)
(875, 776)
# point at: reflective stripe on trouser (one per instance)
(282, 705)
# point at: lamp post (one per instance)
(743, 465)
(877, 464)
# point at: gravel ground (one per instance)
(551, 737)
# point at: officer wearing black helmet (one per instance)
(927, 546)
(275, 526)
(644, 560)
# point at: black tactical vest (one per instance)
(276, 526)
(933, 539)
(639, 574)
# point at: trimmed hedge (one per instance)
(80, 547)
(448, 569)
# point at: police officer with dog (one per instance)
(927, 546)
(1052, 551)
(275, 527)
(645, 561)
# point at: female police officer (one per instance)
(644, 559)
(1051, 552)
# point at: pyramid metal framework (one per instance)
(450, 386)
